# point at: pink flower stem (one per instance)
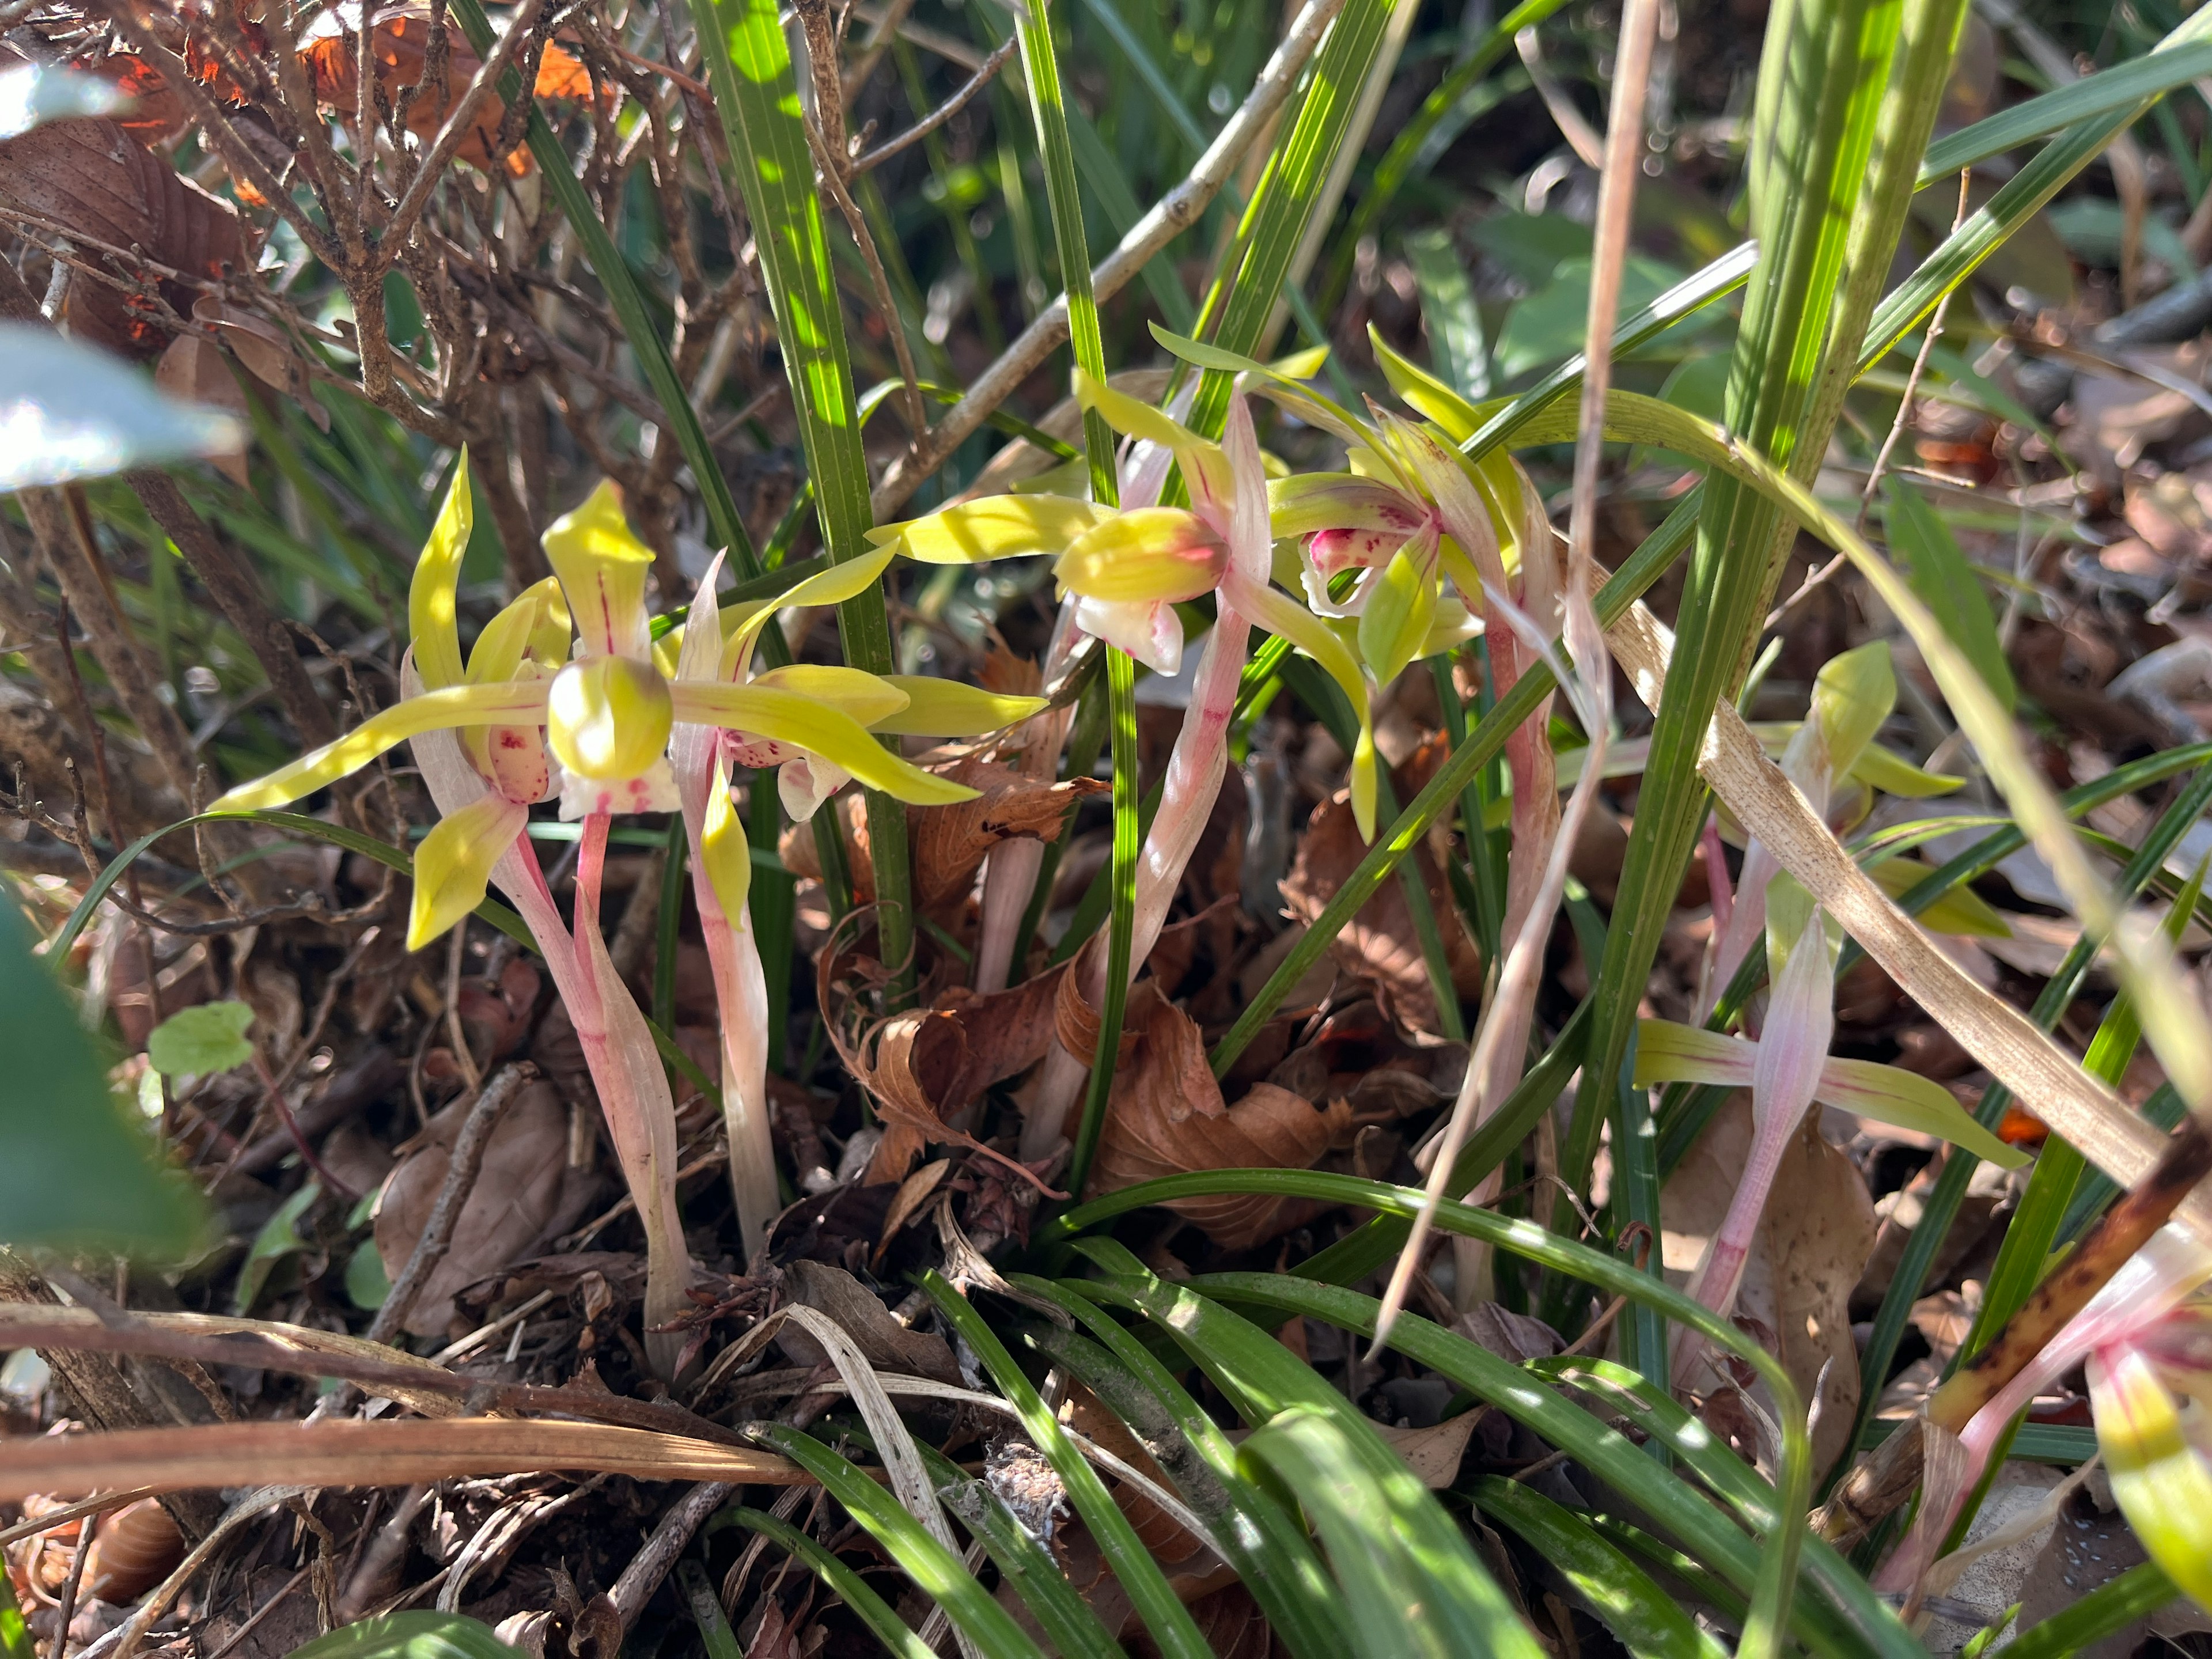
(1194, 772)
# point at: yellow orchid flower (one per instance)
(608, 711)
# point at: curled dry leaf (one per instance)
(924, 1067)
(92, 181)
(526, 1194)
(1379, 946)
(950, 842)
(1166, 1116)
(883, 1341)
(193, 368)
(265, 350)
(1813, 1241)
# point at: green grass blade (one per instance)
(1455, 338)
(1275, 219)
(1023, 1563)
(1635, 1610)
(1121, 712)
(937, 1573)
(1154, 78)
(1132, 1566)
(748, 62)
(1414, 1586)
(2106, 1610)
(897, 1636)
(2126, 86)
(1268, 1548)
(1261, 1377)
(1825, 79)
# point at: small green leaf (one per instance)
(210, 1037)
(279, 1238)
(1941, 575)
(367, 1285)
(76, 1171)
(419, 1635)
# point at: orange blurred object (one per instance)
(2021, 1128)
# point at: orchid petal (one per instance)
(607, 718)
(991, 527)
(725, 852)
(509, 702)
(1204, 468)
(1453, 626)
(430, 596)
(1280, 614)
(2158, 1477)
(1880, 769)
(804, 781)
(1800, 1020)
(1890, 1094)
(1250, 541)
(788, 717)
(1151, 631)
(839, 583)
(1395, 619)
(1309, 502)
(1464, 515)
(515, 635)
(1668, 1051)
(1277, 383)
(1852, 694)
(453, 865)
(947, 708)
(852, 691)
(1145, 555)
(602, 566)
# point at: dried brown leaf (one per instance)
(1166, 1116)
(526, 1194)
(97, 183)
(1378, 946)
(885, 1344)
(1813, 1241)
(352, 1453)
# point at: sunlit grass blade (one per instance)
(1637, 1611)
(1275, 222)
(2123, 86)
(937, 1573)
(887, 1627)
(1139, 1575)
(749, 64)
(1413, 1584)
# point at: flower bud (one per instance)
(1145, 556)
(608, 718)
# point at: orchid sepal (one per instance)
(602, 566)
(453, 865)
(509, 702)
(432, 627)
(991, 527)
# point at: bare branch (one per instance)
(944, 112)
